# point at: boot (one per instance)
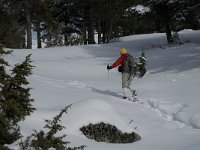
(133, 92)
(125, 90)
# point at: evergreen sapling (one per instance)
(142, 65)
(45, 141)
(15, 103)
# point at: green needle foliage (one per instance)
(15, 101)
(43, 141)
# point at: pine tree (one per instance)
(9, 131)
(22, 10)
(44, 141)
(38, 16)
(191, 15)
(15, 103)
(11, 34)
(16, 93)
(166, 10)
(3, 75)
(142, 64)
(67, 14)
(111, 20)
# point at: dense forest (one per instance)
(75, 22)
(67, 23)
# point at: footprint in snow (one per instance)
(175, 112)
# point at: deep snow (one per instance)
(167, 116)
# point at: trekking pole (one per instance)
(108, 74)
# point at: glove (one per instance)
(109, 67)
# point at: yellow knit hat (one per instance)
(123, 51)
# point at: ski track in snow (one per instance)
(168, 110)
(62, 83)
(79, 84)
(175, 112)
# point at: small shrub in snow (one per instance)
(45, 141)
(103, 132)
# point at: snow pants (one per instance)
(126, 82)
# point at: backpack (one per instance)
(130, 65)
(135, 68)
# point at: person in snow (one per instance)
(127, 76)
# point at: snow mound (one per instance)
(185, 31)
(93, 111)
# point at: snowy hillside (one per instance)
(167, 117)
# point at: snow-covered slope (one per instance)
(167, 116)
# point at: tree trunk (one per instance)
(39, 43)
(110, 31)
(91, 33)
(168, 33)
(104, 33)
(66, 40)
(84, 27)
(28, 25)
(99, 31)
(85, 35)
(158, 24)
(168, 29)
(88, 29)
